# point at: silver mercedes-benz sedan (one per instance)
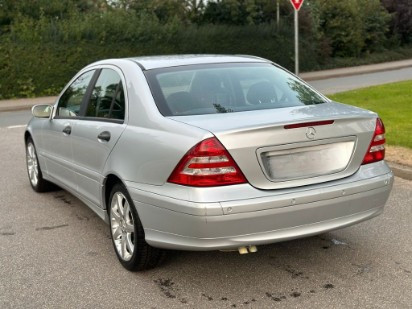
(207, 152)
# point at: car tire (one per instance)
(127, 233)
(37, 182)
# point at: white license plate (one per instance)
(310, 161)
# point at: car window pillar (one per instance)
(86, 97)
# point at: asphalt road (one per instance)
(55, 253)
(17, 118)
(339, 84)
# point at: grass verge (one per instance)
(393, 103)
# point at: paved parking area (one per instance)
(54, 252)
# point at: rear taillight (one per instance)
(207, 164)
(376, 150)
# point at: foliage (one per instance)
(243, 12)
(375, 24)
(341, 25)
(401, 23)
(44, 42)
(49, 65)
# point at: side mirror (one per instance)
(41, 111)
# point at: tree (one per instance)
(195, 9)
(401, 23)
(341, 24)
(375, 21)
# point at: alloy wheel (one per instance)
(32, 164)
(122, 226)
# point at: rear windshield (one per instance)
(227, 88)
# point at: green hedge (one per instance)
(42, 68)
(28, 70)
(43, 43)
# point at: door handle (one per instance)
(104, 136)
(67, 130)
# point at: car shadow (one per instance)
(279, 272)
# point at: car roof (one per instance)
(156, 62)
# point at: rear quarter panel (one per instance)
(149, 155)
(151, 145)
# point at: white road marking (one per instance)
(15, 127)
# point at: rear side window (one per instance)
(71, 100)
(107, 97)
(227, 88)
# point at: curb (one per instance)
(401, 171)
(24, 104)
(350, 71)
(15, 108)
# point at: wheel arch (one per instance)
(110, 181)
(27, 135)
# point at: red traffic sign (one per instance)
(297, 4)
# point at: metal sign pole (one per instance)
(277, 14)
(296, 43)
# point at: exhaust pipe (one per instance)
(246, 250)
(252, 249)
(243, 250)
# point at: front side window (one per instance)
(227, 88)
(71, 100)
(107, 97)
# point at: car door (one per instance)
(57, 143)
(96, 133)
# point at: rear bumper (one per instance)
(261, 220)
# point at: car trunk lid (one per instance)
(288, 147)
